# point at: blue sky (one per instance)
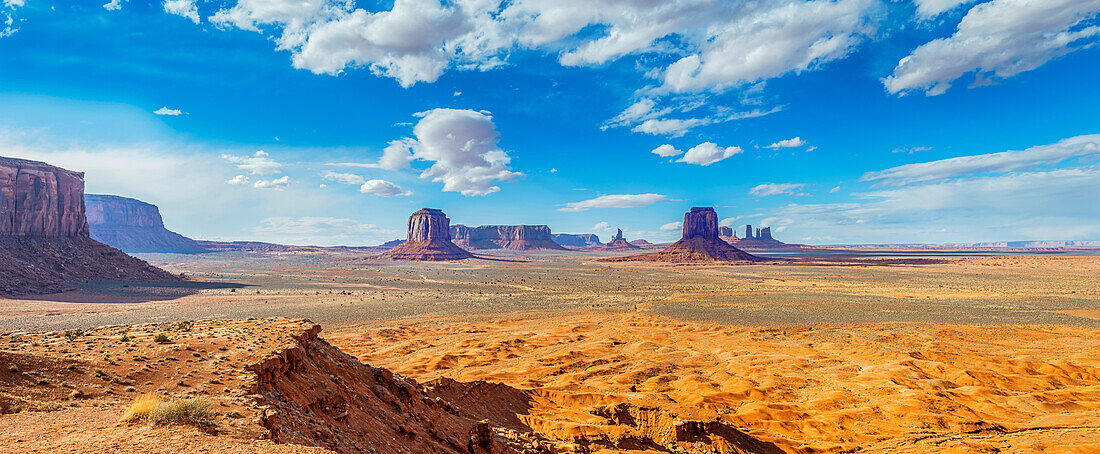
(327, 122)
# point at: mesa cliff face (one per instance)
(761, 239)
(429, 239)
(700, 243)
(516, 237)
(40, 200)
(44, 242)
(133, 226)
(576, 239)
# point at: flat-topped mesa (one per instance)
(618, 243)
(429, 239)
(576, 239)
(516, 237)
(760, 241)
(133, 226)
(40, 200)
(700, 243)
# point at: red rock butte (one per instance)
(700, 243)
(429, 239)
(618, 244)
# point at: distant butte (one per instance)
(700, 243)
(618, 244)
(514, 237)
(429, 239)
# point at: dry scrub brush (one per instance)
(190, 410)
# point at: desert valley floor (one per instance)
(559, 353)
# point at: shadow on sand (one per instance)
(130, 291)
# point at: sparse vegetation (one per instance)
(161, 338)
(148, 408)
(73, 334)
(140, 408)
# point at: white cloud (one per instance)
(998, 40)
(239, 180)
(14, 3)
(114, 5)
(460, 144)
(666, 151)
(767, 189)
(834, 190)
(258, 164)
(788, 143)
(382, 188)
(183, 8)
(615, 201)
(277, 184)
(603, 226)
(672, 226)
(321, 231)
(343, 178)
(729, 222)
(928, 9)
(989, 163)
(910, 150)
(708, 153)
(643, 117)
(167, 111)
(726, 43)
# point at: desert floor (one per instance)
(964, 354)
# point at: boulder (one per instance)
(133, 226)
(429, 239)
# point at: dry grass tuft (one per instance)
(140, 408)
(194, 411)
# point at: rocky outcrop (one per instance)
(515, 237)
(313, 394)
(133, 226)
(618, 243)
(762, 239)
(44, 242)
(576, 240)
(429, 239)
(40, 200)
(700, 243)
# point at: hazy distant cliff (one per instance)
(44, 242)
(576, 239)
(133, 226)
(518, 237)
(40, 200)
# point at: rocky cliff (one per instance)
(133, 226)
(40, 200)
(44, 242)
(618, 243)
(517, 237)
(576, 239)
(700, 243)
(429, 239)
(762, 239)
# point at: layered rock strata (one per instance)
(515, 237)
(576, 240)
(429, 239)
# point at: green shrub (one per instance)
(161, 338)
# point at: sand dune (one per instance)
(628, 378)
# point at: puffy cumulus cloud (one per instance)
(997, 40)
(603, 226)
(928, 9)
(113, 5)
(461, 146)
(672, 226)
(767, 189)
(708, 153)
(718, 43)
(615, 201)
(276, 184)
(321, 231)
(182, 8)
(788, 143)
(343, 178)
(260, 163)
(666, 151)
(770, 40)
(167, 111)
(239, 180)
(383, 188)
(1001, 162)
